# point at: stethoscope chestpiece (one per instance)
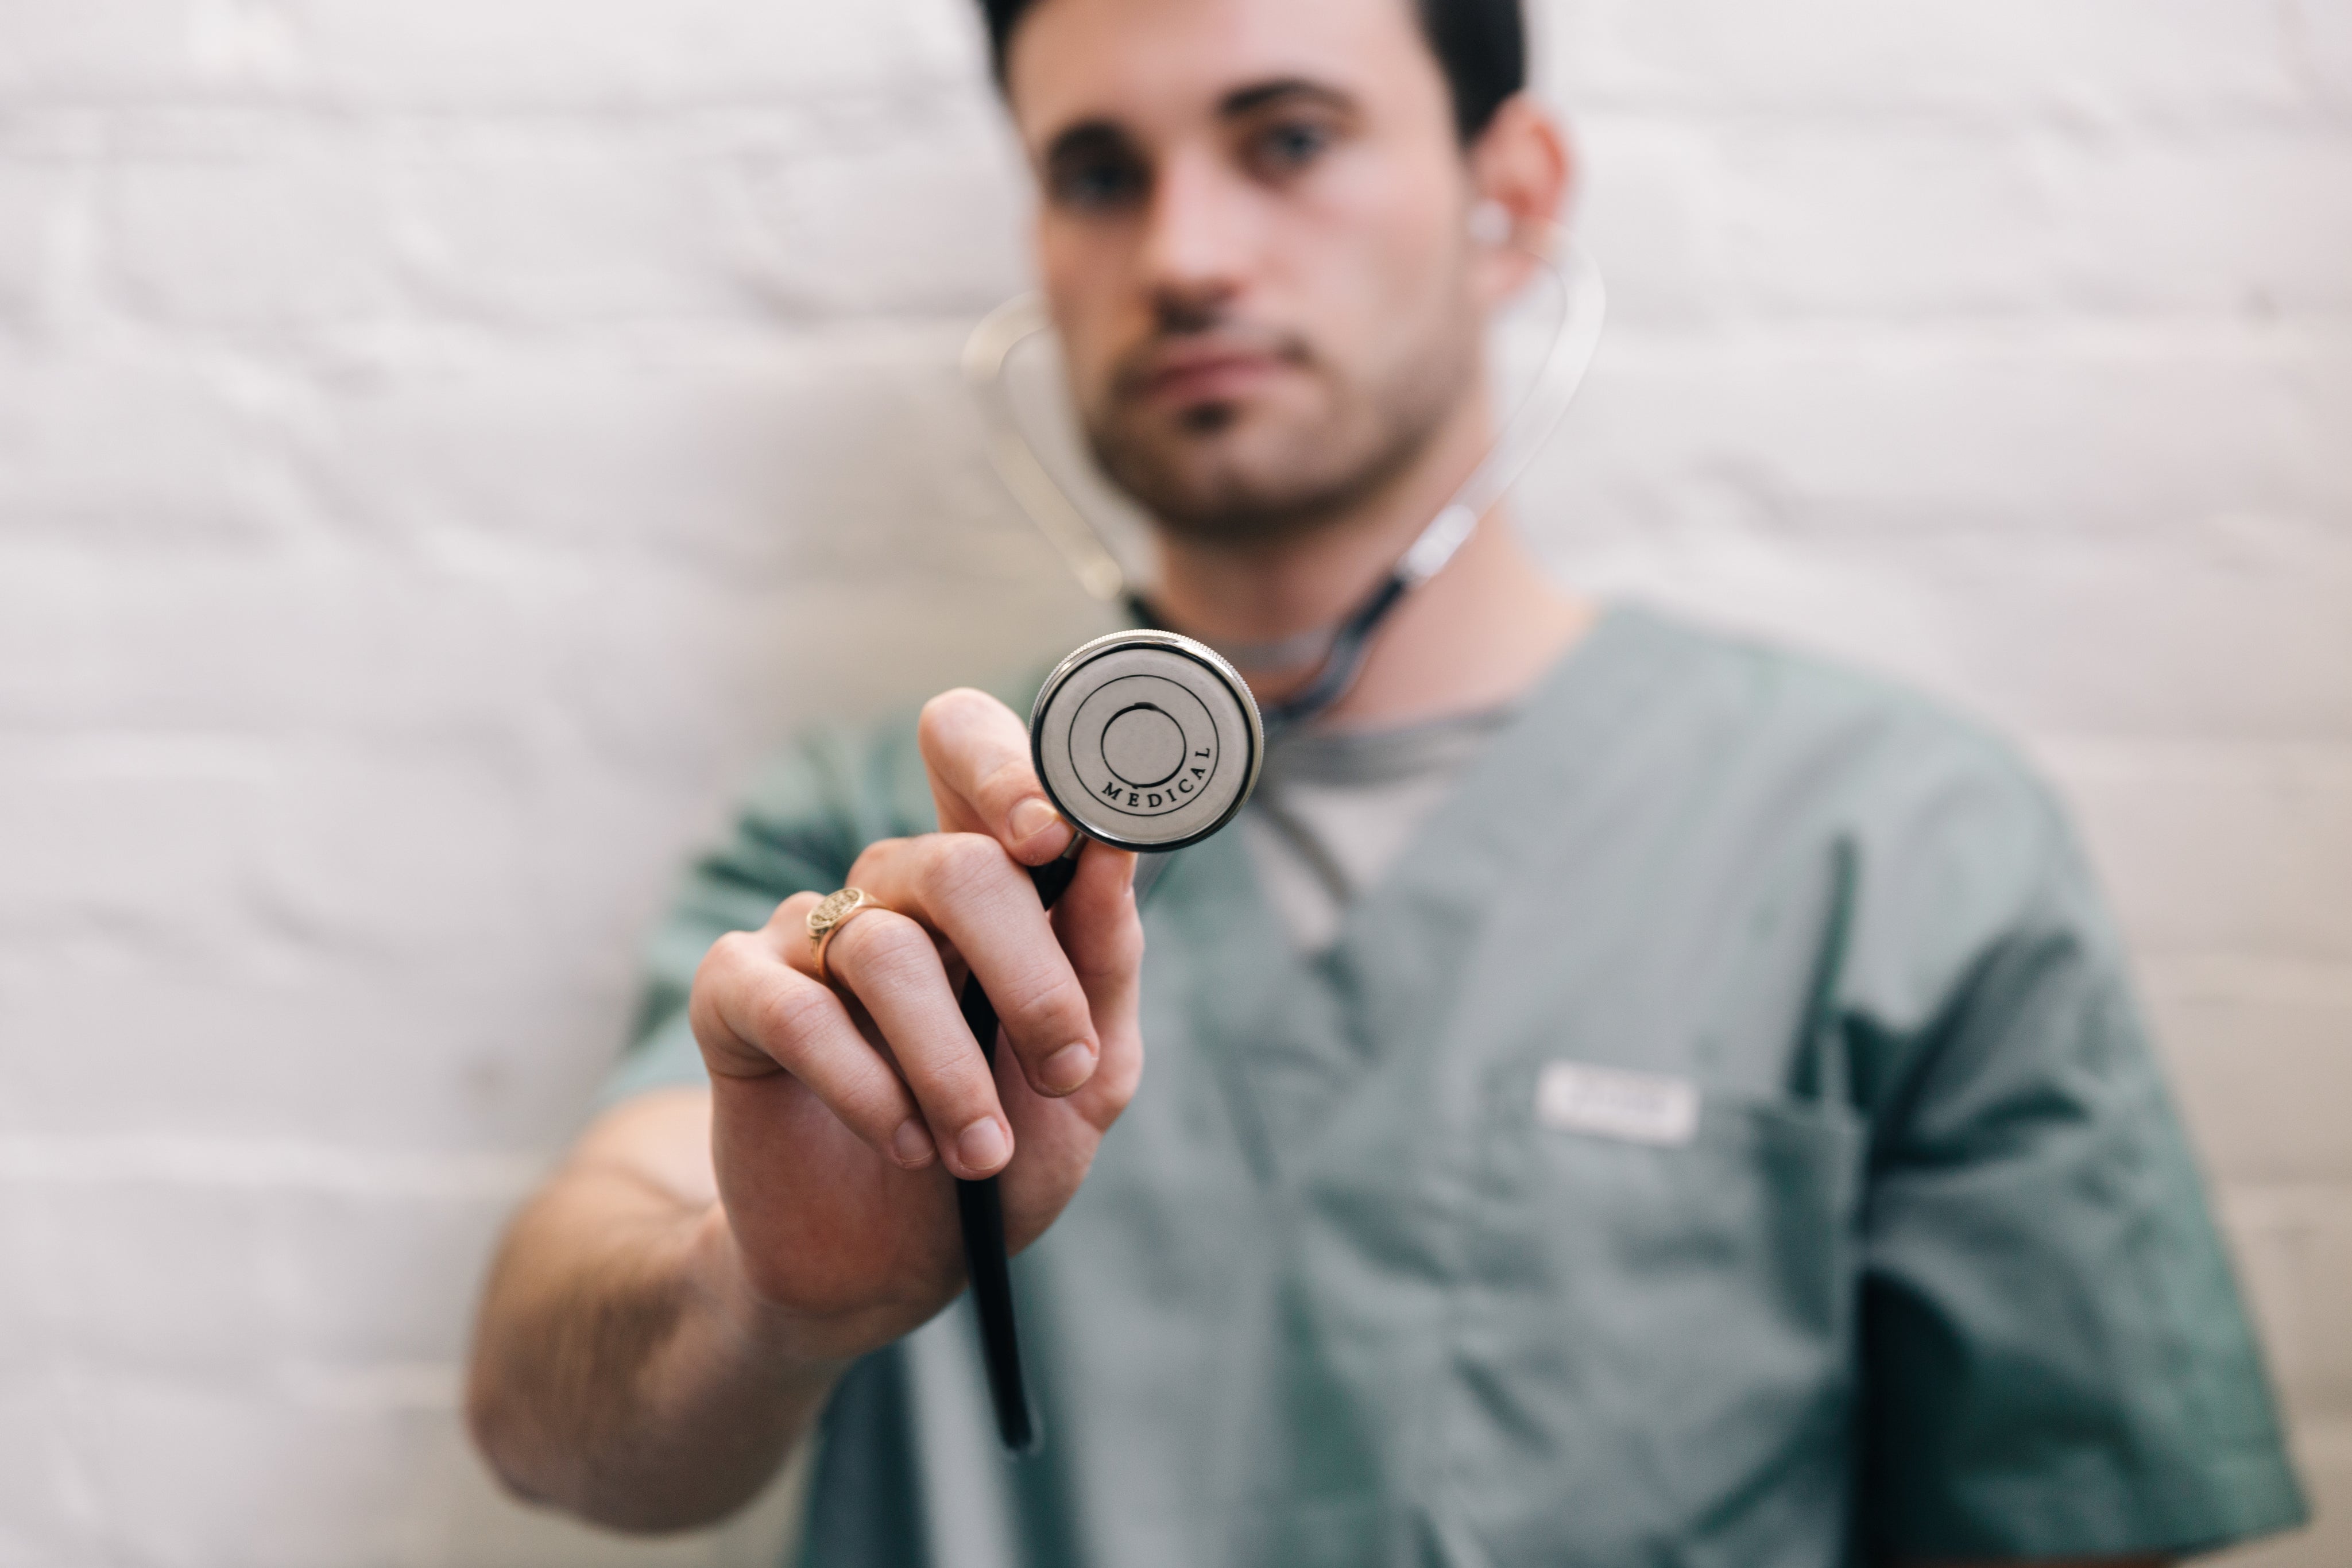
(1147, 740)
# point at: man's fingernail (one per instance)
(1067, 1069)
(1031, 817)
(984, 1145)
(912, 1143)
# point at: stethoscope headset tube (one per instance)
(1339, 651)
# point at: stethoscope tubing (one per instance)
(979, 1217)
(1575, 341)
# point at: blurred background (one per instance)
(444, 442)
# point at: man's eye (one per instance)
(1098, 182)
(1291, 145)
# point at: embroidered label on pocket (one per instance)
(1609, 1103)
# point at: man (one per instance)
(1621, 1097)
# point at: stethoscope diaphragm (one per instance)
(1147, 740)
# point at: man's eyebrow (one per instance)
(1259, 95)
(1088, 136)
(1100, 134)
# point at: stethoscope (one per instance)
(1148, 740)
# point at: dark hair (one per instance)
(1480, 44)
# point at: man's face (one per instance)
(1252, 235)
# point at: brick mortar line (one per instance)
(2114, 112)
(877, 111)
(2328, 751)
(2260, 1201)
(434, 338)
(265, 1164)
(2240, 980)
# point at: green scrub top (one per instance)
(1723, 1137)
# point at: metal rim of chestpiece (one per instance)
(1147, 740)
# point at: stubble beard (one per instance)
(1206, 480)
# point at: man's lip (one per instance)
(1200, 376)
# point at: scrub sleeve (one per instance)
(2054, 1357)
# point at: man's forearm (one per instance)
(613, 1375)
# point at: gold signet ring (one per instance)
(832, 911)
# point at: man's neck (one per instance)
(1473, 637)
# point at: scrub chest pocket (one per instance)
(1653, 1345)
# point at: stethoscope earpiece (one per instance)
(1147, 740)
(1491, 223)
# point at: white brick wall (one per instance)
(430, 431)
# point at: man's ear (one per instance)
(1521, 175)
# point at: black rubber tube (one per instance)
(981, 1213)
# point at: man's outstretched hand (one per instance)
(841, 1110)
(671, 1310)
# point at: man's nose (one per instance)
(1196, 250)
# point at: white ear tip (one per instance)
(1490, 223)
